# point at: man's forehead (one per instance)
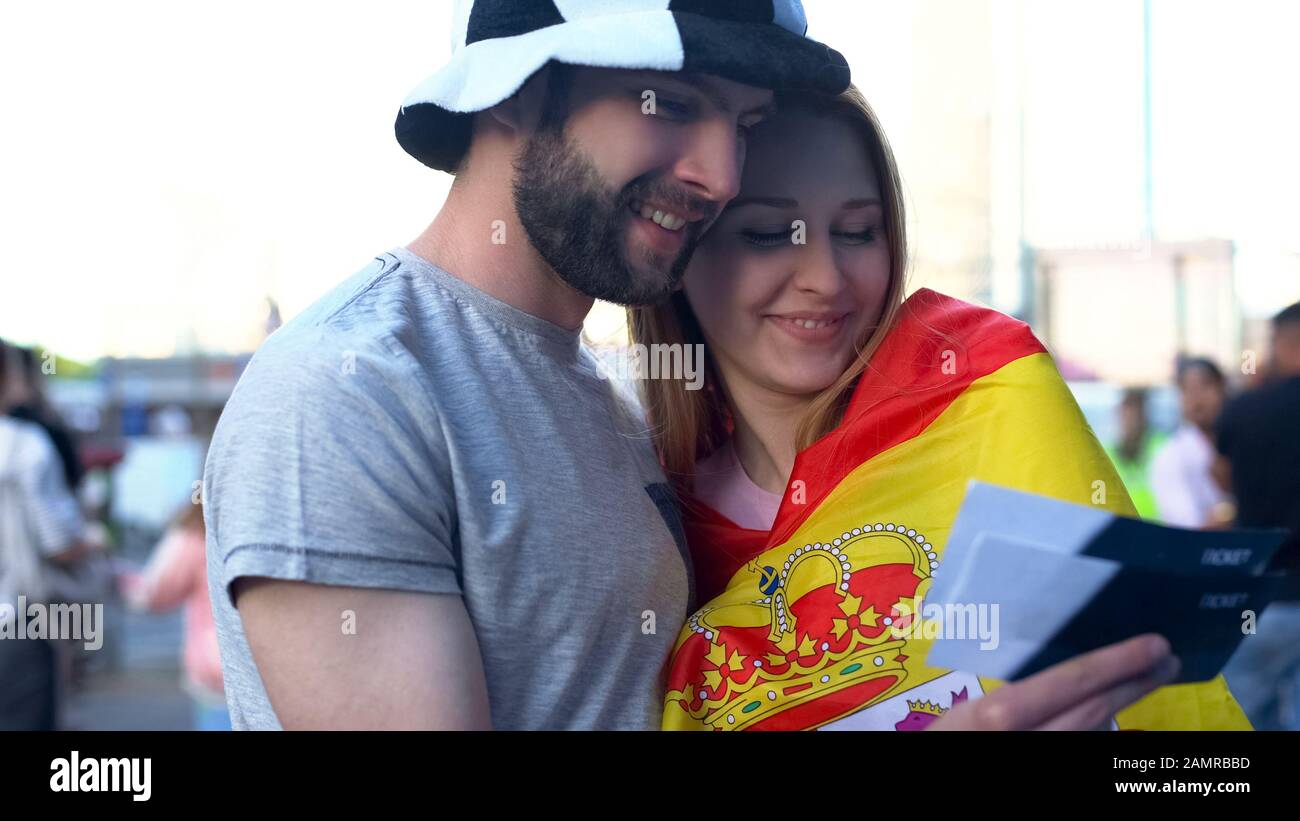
(727, 95)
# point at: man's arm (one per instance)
(1221, 472)
(330, 510)
(1223, 438)
(407, 661)
(75, 552)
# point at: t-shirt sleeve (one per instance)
(329, 466)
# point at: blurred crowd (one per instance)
(55, 550)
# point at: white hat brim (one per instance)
(485, 73)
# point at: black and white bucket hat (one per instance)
(498, 44)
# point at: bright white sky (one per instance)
(164, 166)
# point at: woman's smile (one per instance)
(811, 327)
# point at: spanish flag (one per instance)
(803, 623)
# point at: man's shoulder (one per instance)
(23, 444)
(1260, 405)
(349, 361)
(373, 302)
(1281, 397)
(367, 319)
(15, 430)
(392, 309)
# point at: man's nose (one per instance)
(712, 163)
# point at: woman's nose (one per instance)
(816, 268)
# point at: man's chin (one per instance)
(633, 289)
(654, 285)
(645, 293)
(655, 276)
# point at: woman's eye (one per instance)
(767, 238)
(857, 237)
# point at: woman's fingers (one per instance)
(1109, 678)
(1063, 687)
(1097, 712)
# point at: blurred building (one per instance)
(124, 395)
(1029, 186)
(949, 164)
(1127, 312)
(158, 416)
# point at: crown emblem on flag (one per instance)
(822, 632)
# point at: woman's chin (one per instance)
(796, 372)
(802, 384)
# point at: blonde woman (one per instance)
(828, 395)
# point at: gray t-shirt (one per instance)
(410, 432)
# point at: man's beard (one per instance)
(578, 225)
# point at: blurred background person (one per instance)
(40, 531)
(1259, 437)
(27, 399)
(1259, 440)
(177, 575)
(88, 579)
(1135, 450)
(1182, 483)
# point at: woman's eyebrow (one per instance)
(867, 202)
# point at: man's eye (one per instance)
(675, 108)
(767, 239)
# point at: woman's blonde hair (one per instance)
(689, 424)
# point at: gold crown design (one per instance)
(850, 643)
(927, 707)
